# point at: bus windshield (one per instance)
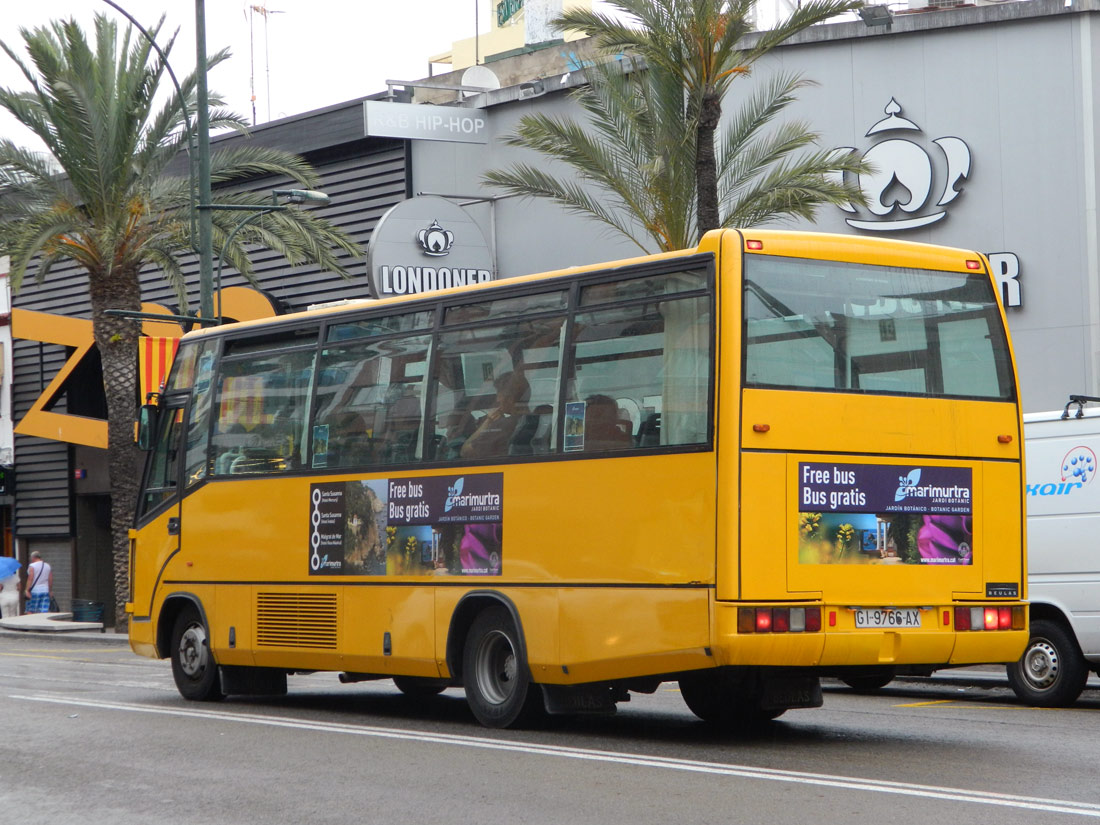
(828, 325)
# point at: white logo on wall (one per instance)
(900, 191)
(435, 240)
(412, 241)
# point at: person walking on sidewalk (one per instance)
(39, 584)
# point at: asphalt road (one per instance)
(97, 734)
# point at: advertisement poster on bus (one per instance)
(431, 525)
(884, 514)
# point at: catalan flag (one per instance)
(154, 360)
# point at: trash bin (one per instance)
(87, 611)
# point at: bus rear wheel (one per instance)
(193, 665)
(418, 687)
(495, 673)
(713, 699)
(1052, 672)
(869, 682)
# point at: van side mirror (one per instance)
(146, 426)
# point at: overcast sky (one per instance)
(309, 53)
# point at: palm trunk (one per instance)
(116, 340)
(706, 166)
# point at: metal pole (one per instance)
(206, 226)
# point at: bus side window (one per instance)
(641, 375)
(260, 426)
(496, 389)
(198, 425)
(370, 401)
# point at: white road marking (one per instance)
(1031, 803)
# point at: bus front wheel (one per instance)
(1052, 672)
(193, 665)
(495, 674)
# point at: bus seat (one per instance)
(522, 437)
(649, 432)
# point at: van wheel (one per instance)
(193, 665)
(1052, 672)
(495, 673)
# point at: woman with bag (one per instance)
(39, 584)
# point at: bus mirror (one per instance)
(146, 426)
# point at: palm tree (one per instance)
(651, 142)
(114, 210)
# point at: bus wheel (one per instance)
(193, 665)
(495, 675)
(710, 698)
(1051, 673)
(869, 683)
(417, 687)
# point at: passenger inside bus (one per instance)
(605, 426)
(495, 429)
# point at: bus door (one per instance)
(159, 508)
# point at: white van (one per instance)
(1063, 536)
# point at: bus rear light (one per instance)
(989, 618)
(781, 619)
(754, 244)
(746, 620)
(973, 264)
(947, 618)
(832, 618)
(763, 619)
(813, 619)
(1005, 617)
(962, 618)
(778, 619)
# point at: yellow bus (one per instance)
(742, 467)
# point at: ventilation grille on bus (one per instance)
(296, 620)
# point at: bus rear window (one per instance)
(823, 325)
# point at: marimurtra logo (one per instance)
(435, 240)
(899, 192)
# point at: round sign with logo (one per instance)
(424, 244)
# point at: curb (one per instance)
(110, 638)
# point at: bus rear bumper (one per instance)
(848, 646)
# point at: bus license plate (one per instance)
(888, 618)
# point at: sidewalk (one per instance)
(58, 626)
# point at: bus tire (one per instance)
(193, 665)
(869, 683)
(418, 687)
(498, 683)
(1052, 672)
(710, 698)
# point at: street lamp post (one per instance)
(206, 224)
(292, 196)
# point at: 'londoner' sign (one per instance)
(423, 121)
(423, 244)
